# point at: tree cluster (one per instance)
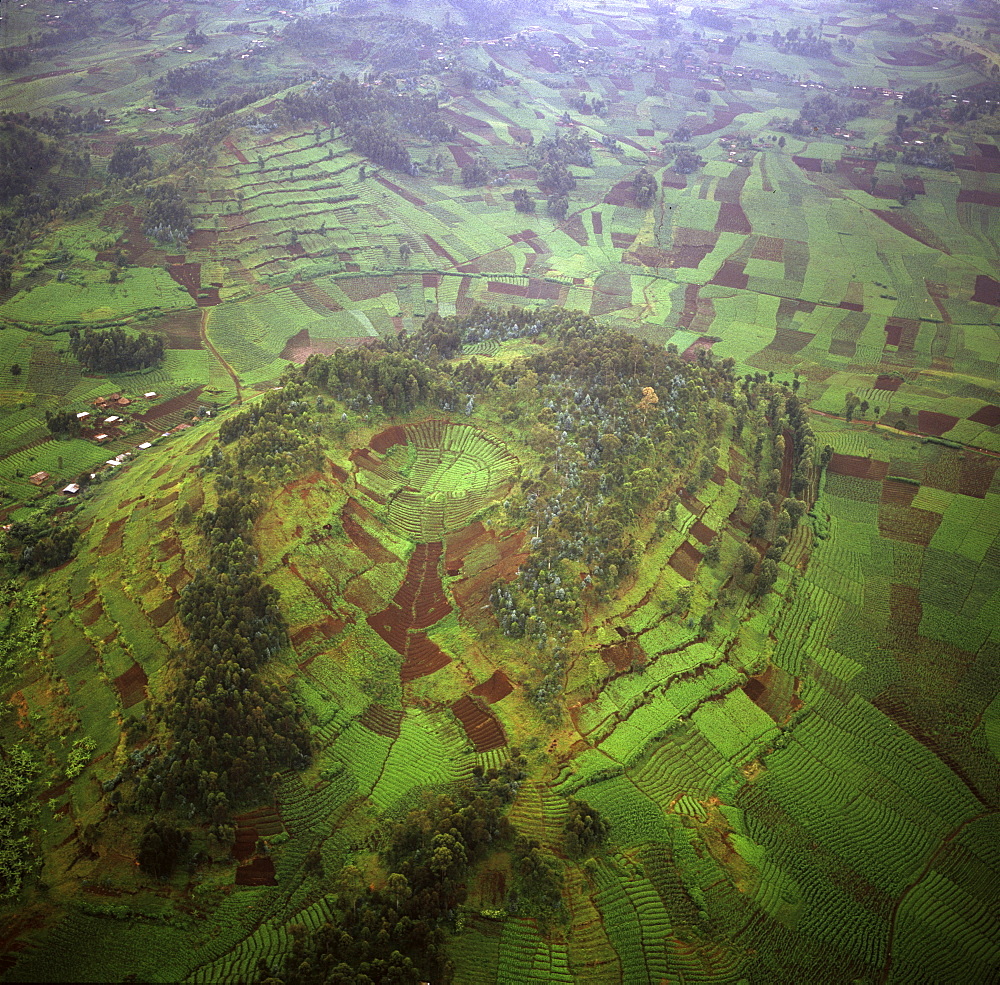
(644, 189)
(128, 160)
(230, 730)
(160, 846)
(165, 214)
(394, 932)
(114, 350)
(39, 543)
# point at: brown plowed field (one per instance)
(365, 542)
(383, 721)
(495, 689)
(112, 541)
(132, 685)
(934, 422)
(863, 468)
(907, 523)
(975, 476)
(423, 657)
(988, 414)
(259, 872)
(163, 613)
(898, 493)
(685, 560)
(484, 731)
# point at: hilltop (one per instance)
(499, 495)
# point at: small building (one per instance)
(146, 444)
(72, 489)
(83, 414)
(38, 478)
(151, 395)
(112, 463)
(112, 420)
(123, 401)
(100, 437)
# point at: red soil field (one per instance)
(902, 332)
(898, 493)
(622, 241)
(340, 474)
(910, 57)
(890, 383)
(384, 721)
(439, 249)
(365, 542)
(621, 656)
(732, 219)
(188, 275)
(300, 347)
(989, 414)
(685, 560)
(904, 226)
(597, 221)
(987, 291)
(863, 468)
(314, 296)
(622, 194)
(389, 438)
(495, 689)
(989, 165)
(934, 422)
(471, 593)
(907, 524)
(259, 872)
(174, 405)
(163, 613)
(813, 164)
(976, 197)
(976, 474)
(132, 685)
(483, 729)
(401, 192)
(769, 248)
(790, 341)
(690, 354)
(328, 627)
(731, 275)
(422, 657)
(92, 614)
(513, 290)
(113, 538)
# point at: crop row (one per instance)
(636, 923)
(363, 753)
(417, 758)
(305, 809)
(524, 956)
(267, 942)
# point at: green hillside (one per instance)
(495, 494)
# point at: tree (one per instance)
(747, 558)
(644, 189)
(15, 370)
(129, 160)
(558, 206)
(766, 578)
(523, 202)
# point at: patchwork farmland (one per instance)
(706, 611)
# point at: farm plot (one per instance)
(447, 473)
